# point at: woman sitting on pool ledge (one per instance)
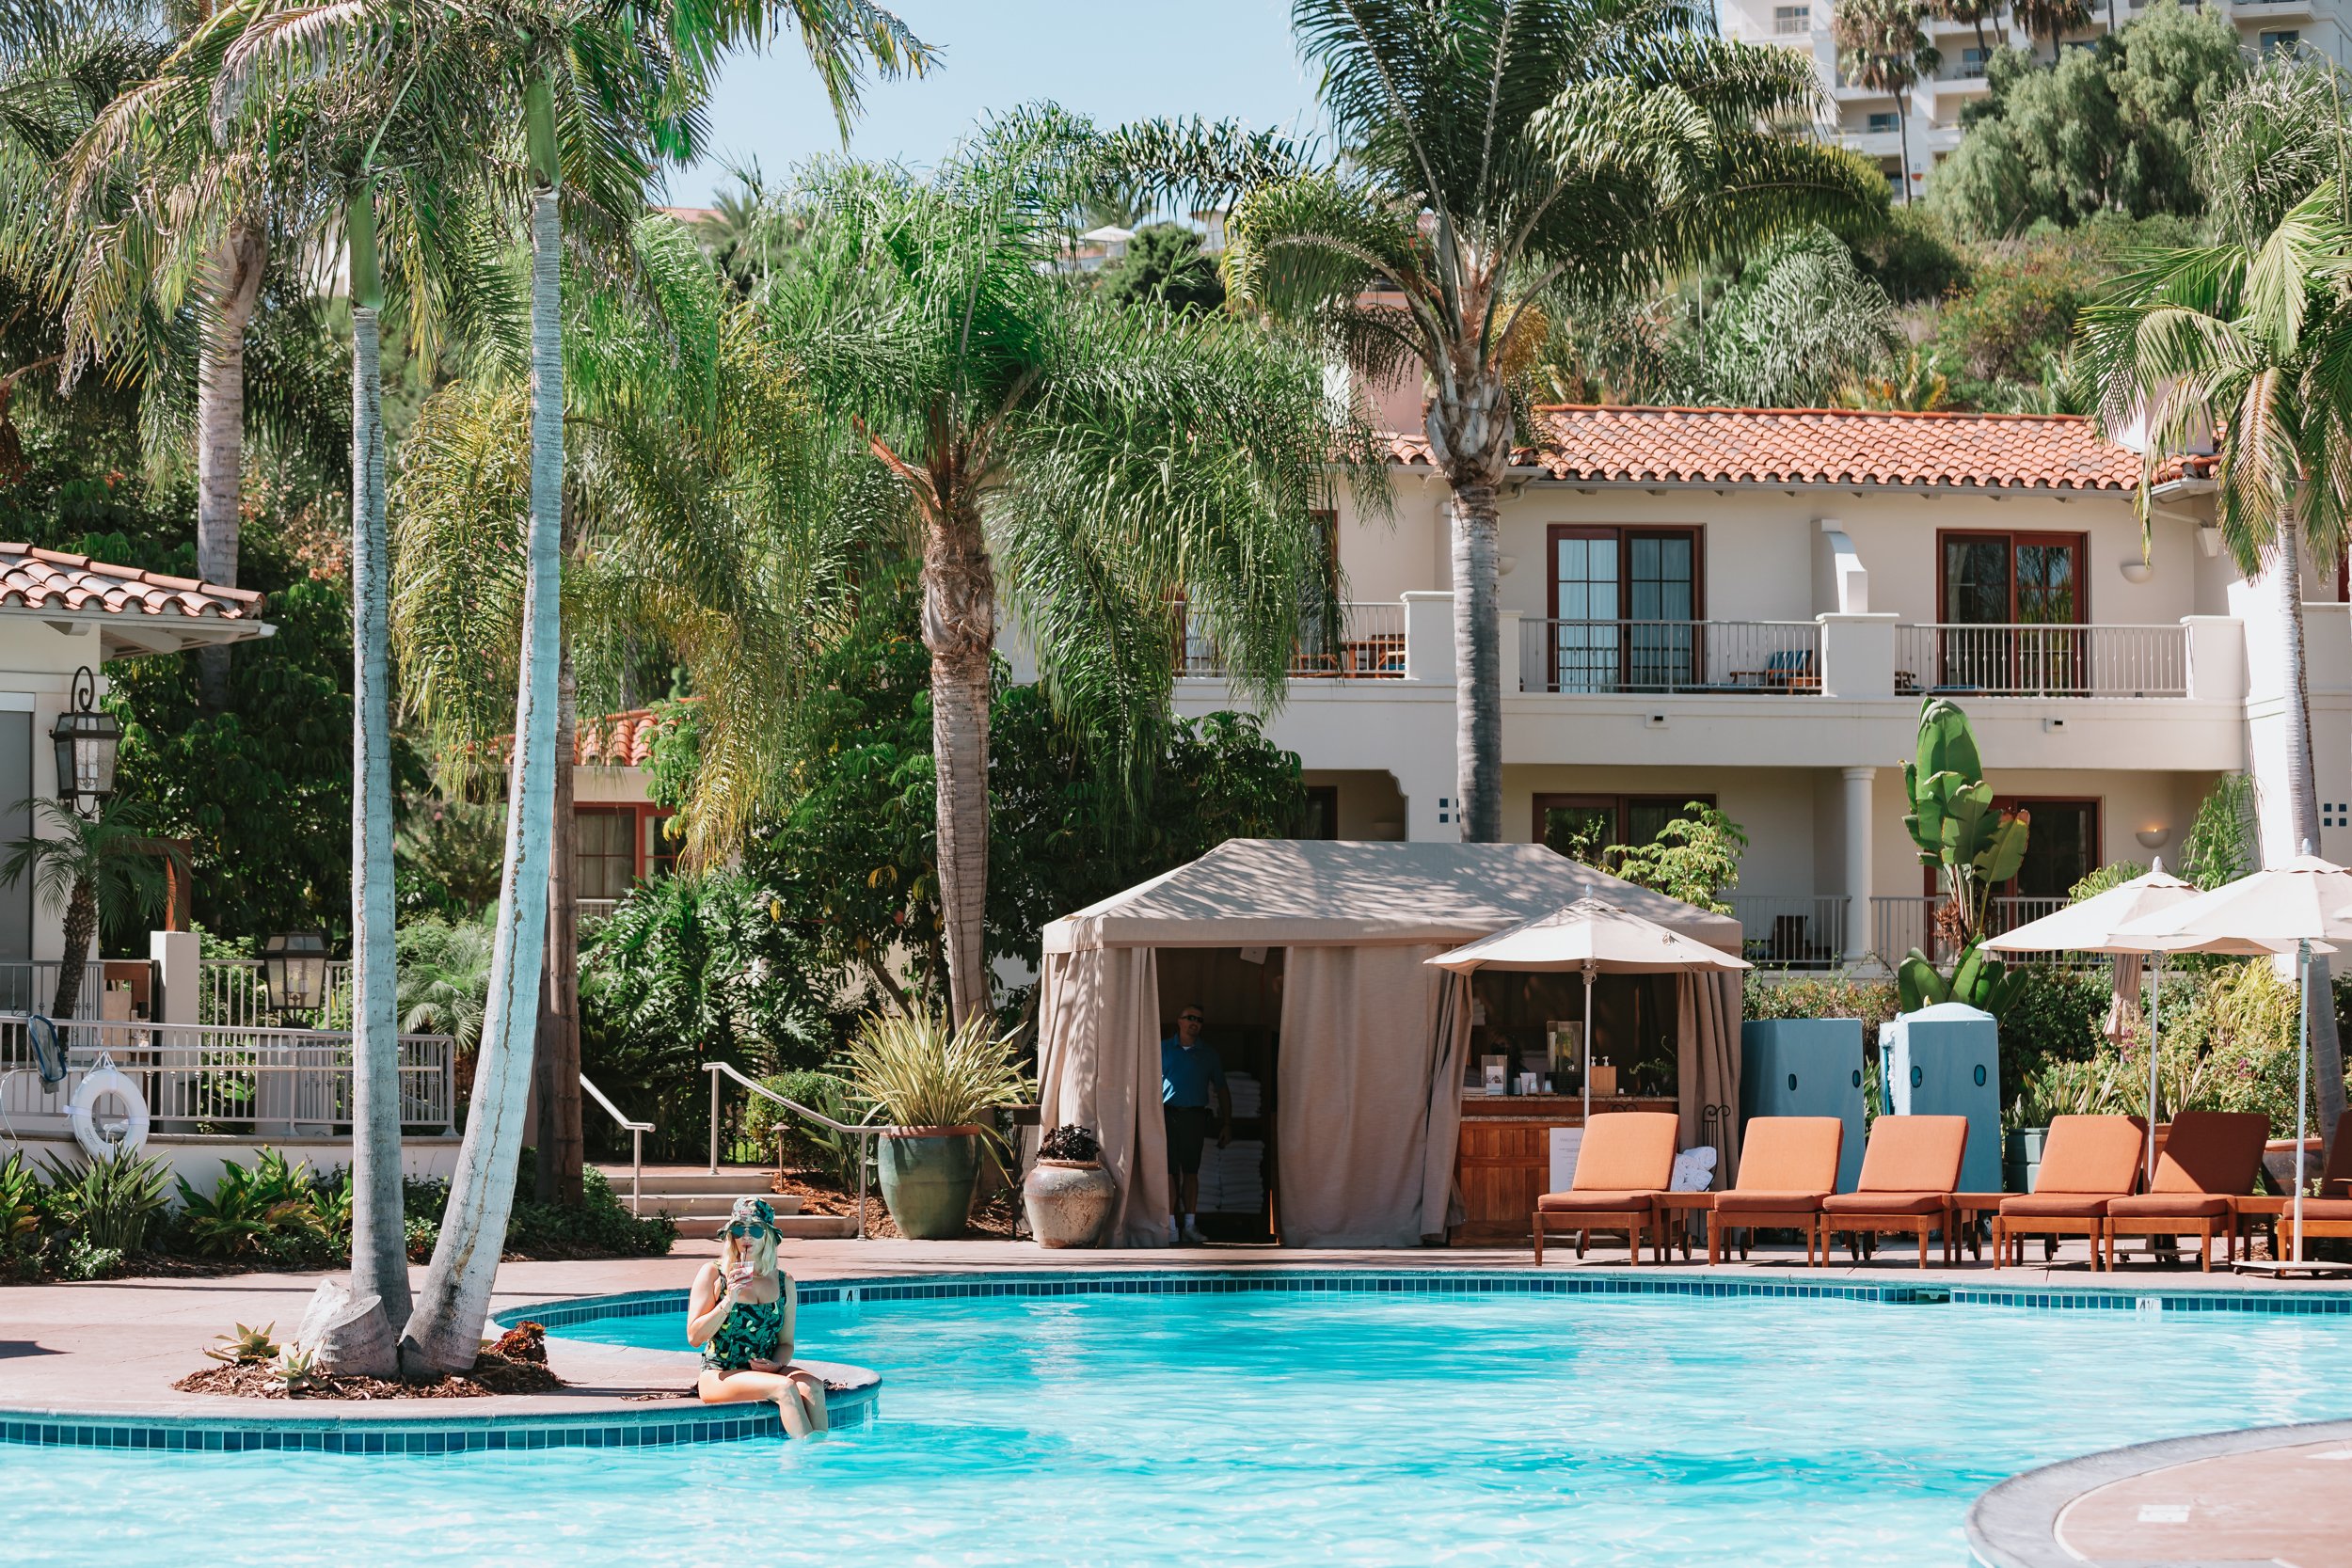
(741, 1314)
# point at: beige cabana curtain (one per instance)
(1708, 1066)
(1357, 1122)
(1097, 1059)
(1440, 1200)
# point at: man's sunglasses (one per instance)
(1191, 1018)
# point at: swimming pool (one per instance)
(1273, 1427)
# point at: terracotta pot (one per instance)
(927, 1179)
(1068, 1200)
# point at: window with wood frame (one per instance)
(2010, 604)
(2062, 847)
(1591, 823)
(1621, 602)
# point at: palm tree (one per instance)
(1884, 45)
(2051, 19)
(86, 865)
(1112, 460)
(1976, 13)
(1498, 154)
(2252, 339)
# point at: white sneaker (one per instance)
(1192, 1236)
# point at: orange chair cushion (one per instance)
(1913, 1154)
(1884, 1203)
(2212, 1151)
(1791, 1154)
(2092, 1154)
(2169, 1206)
(2055, 1206)
(1582, 1202)
(1745, 1200)
(1626, 1151)
(2332, 1210)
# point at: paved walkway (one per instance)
(2278, 1494)
(122, 1343)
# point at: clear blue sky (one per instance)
(1113, 59)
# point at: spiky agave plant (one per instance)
(922, 1072)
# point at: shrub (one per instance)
(601, 1226)
(2054, 1016)
(85, 1262)
(1827, 996)
(270, 1214)
(20, 1218)
(804, 1145)
(1072, 1143)
(107, 1203)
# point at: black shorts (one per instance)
(1187, 1130)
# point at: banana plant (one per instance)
(1973, 849)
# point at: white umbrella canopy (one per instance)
(1595, 939)
(2092, 927)
(2301, 906)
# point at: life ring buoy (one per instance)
(97, 1083)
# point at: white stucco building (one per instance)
(1747, 607)
(1869, 121)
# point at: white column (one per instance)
(1858, 781)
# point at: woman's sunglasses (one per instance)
(748, 1231)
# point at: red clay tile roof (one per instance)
(1842, 447)
(615, 740)
(74, 584)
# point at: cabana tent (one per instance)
(1373, 1039)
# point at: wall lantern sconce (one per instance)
(87, 741)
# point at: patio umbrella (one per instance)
(2092, 927)
(1596, 938)
(2297, 907)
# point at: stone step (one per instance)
(794, 1228)
(730, 1179)
(710, 1206)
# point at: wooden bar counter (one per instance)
(1504, 1162)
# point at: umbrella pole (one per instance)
(2155, 994)
(2302, 1077)
(1588, 1045)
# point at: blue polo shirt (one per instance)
(1186, 1073)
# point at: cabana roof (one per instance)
(1322, 892)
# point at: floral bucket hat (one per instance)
(751, 1217)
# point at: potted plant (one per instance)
(939, 1088)
(1068, 1193)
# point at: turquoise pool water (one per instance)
(1261, 1428)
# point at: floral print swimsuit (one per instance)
(753, 1331)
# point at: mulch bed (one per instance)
(992, 1217)
(517, 1364)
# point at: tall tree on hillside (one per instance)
(2253, 340)
(1112, 460)
(2051, 19)
(1884, 45)
(1498, 153)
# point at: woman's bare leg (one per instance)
(811, 1392)
(743, 1387)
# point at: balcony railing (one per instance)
(2043, 660)
(1900, 923)
(1364, 641)
(1780, 657)
(228, 1079)
(231, 993)
(29, 987)
(1792, 933)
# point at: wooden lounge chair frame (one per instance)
(1860, 1225)
(1633, 1224)
(2202, 1226)
(1639, 1218)
(1806, 1221)
(2010, 1231)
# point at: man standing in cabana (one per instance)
(1189, 1074)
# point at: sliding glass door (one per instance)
(1624, 608)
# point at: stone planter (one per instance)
(927, 1175)
(1068, 1200)
(2020, 1158)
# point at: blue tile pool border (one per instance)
(2136, 1297)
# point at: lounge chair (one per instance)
(1787, 1166)
(2209, 1158)
(2329, 1215)
(1625, 1160)
(2086, 1164)
(1910, 1169)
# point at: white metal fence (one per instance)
(204, 1078)
(1900, 923)
(1802, 933)
(231, 993)
(30, 987)
(1364, 641)
(1781, 657)
(2043, 660)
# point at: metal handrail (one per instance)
(636, 1131)
(861, 1130)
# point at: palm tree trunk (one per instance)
(445, 1333)
(81, 930)
(1984, 51)
(1477, 665)
(379, 1250)
(560, 1149)
(221, 432)
(959, 629)
(1902, 142)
